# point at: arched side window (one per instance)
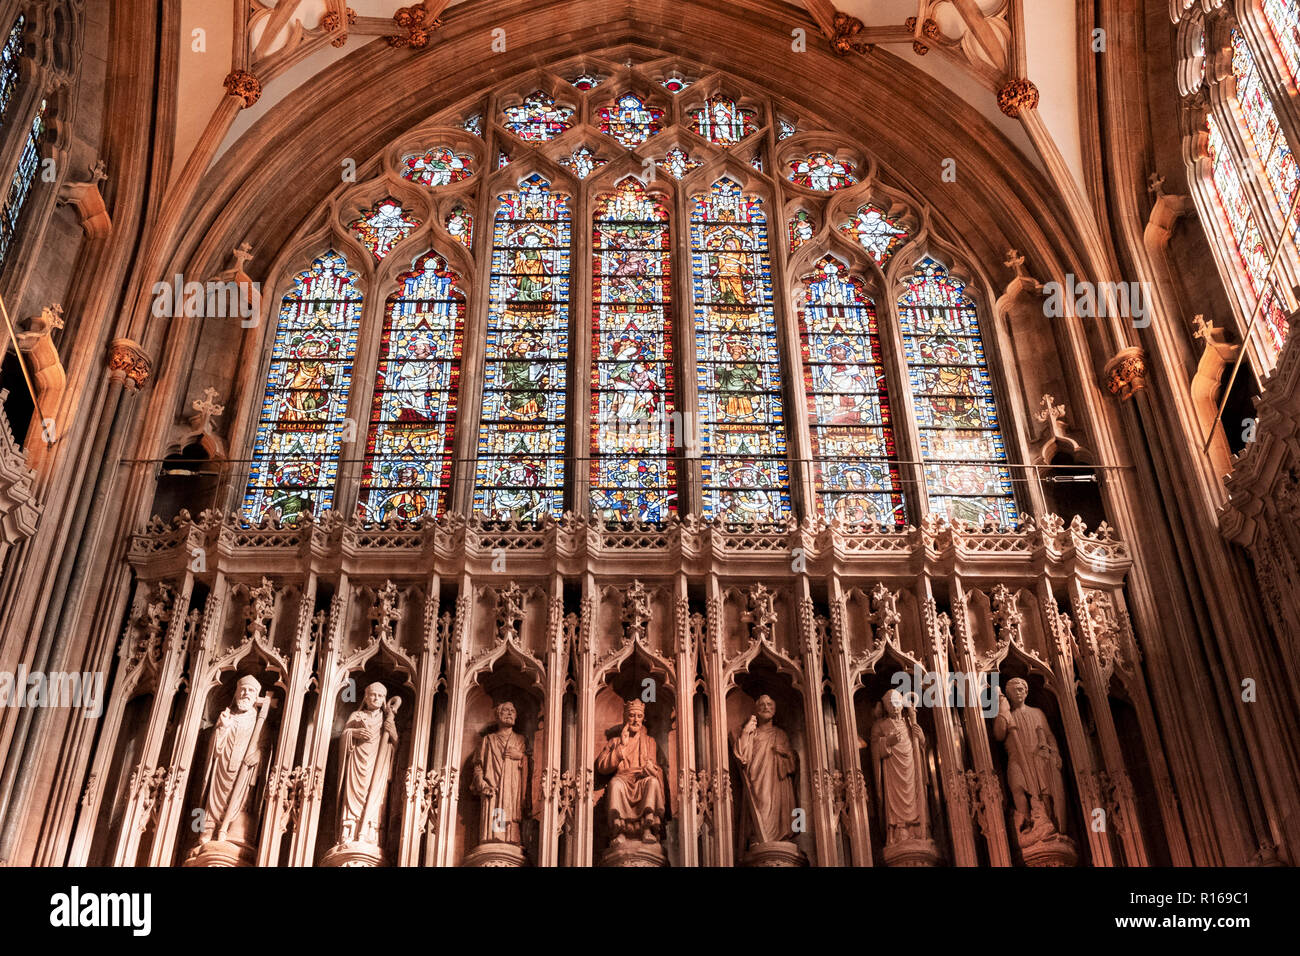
(10, 54)
(520, 471)
(20, 186)
(741, 419)
(1283, 19)
(854, 467)
(1242, 231)
(1261, 127)
(407, 471)
(966, 473)
(296, 449)
(633, 473)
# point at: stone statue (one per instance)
(1033, 765)
(767, 763)
(499, 779)
(898, 762)
(231, 774)
(635, 794)
(366, 749)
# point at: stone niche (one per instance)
(785, 802)
(501, 829)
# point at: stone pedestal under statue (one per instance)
(774, 853)
(353, 854)
(221, 853)
(634, 853)
(495, 854)
(1055, 850)
(912, 853)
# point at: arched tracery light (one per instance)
(596, 397)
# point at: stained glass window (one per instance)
(856, 477)
(876, 232)
(966, 473)
(821, 171)
(722, 121)
(1261, 126)
(630, 121)
(787, 128)
(632, 467)
(461, 226)
(520, 471)
(296, 451)
(802, 228)
(437, 166)
(678, 163)
(742, 422)
(503, 159)
(586, 81)
(1248, 244)
(675, 83)
(383, 226)
(583, 162)
(757, 161)
(537, 119)
(1283, 17)
(474, 124)
(20, 186)
(407, 468)
(10, 54)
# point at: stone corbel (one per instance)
(1055, 438)
(128, 364)
(1126, 373)
(1166, 210)
(1206, 385)
(89, 202)
(43, 362)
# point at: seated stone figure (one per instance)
(635, 793)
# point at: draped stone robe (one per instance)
(232, 745)
(768, 763)
(1034, 760)
(363, 775)
(500, 761)
(630, 795)
(898, 773)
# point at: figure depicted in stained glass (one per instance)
(848, 408)
(678, 163)
(723, 121)
(308, 390)
(460, 224)
(383, 226)
(525, 380)
(821, 171)
(295, 453)
(801, 229)
(586, 81)
(742, 428)
(583, 162)
(408, 449)
(875, 232)
(632, 472)
(740, 380)
(730, 271)
(520, 471)
(966, 472)
(437, 166)
(537, 119)
(630, 121)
